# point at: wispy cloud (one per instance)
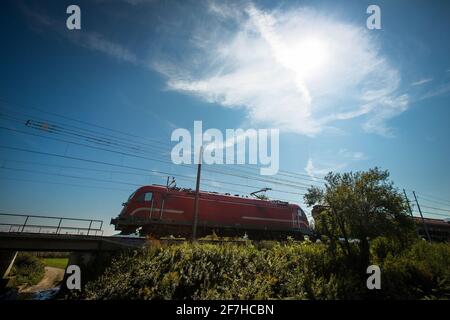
(88, 39)
(389, 108)
(131, 2)
(421, 81)
(352, 155)
(442, 89)
(320, 165)
(97, 42)
(296, 70)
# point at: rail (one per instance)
(59, 226)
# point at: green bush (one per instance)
(420, 272)
(271, 270)
(207, 271)
(382, 247)
(27, 270)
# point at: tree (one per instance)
(357, 207)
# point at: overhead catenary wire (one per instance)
(423, 196)
(268, 180)
(440, 209)
(162, 173)
(230, 191)
(62, 183)
(437, 214)
(96, 137)
(55, 114)
(49, 128)
(438, 202)
(134, 184)
(281, 172)
(141, 156)
(95, 161)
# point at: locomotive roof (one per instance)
(431, 221)
(164, 189)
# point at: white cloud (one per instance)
(296, 70)
(318, 171)
(421, 81)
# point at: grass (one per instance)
(55, 262)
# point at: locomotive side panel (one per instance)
(246, 213)
(167, 211)
(219, 211)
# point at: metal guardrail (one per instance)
(57, 228)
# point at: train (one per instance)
(438, 229)
(160, 211)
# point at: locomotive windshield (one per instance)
(131, 196)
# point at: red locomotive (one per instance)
(160, 211)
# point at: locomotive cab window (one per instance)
(301, 213)
(148, 196)
(145, 197)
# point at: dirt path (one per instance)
(51, 277)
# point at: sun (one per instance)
(309, 56)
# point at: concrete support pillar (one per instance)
(83, 260)
(91, 264)
(7, 258)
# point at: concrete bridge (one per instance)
(66, 242)
(83, 238)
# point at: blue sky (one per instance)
(353, 99)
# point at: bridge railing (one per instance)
(10, 222)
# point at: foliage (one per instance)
(358, 207)
(27, 269)
(419, 272)
(271, 270)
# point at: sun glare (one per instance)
(307, 57)
(310, 55)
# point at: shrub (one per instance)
(207, 271)
(381, 247)
(420, 272)
(27, 269)
(271, 270)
